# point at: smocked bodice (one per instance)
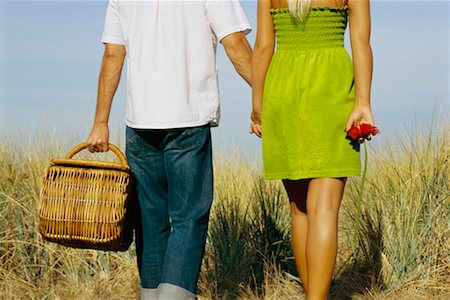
(323, 28)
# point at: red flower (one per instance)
(364, 131)
(367, 130)
(354, 133)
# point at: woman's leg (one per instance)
(323, 201)
(297, 191)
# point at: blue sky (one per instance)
(50, 55)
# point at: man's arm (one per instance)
(240, 54)
(109, 79)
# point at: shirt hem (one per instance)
(171, 125)
(112, 40)
(308, 175)
(244, 28)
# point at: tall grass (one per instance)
(406, 215)
(403, 250)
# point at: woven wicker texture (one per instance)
(86, 204)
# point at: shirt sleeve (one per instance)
(226, 17)
(112, 31)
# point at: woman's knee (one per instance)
(324, 196)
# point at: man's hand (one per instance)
(98, 138)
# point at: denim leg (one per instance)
(145, 156)
(188, 163)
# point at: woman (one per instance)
(309, 91)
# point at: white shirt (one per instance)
(171, 58)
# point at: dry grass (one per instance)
(403, 251)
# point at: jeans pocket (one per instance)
(190, 138)
(134, 144)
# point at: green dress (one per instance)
(309, 94)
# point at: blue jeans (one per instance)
(174, 176)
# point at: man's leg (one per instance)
(188, 160)
(145, 156)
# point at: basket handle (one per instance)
(113, 148)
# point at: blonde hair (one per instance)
(299, 8)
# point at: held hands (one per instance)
(255, 124)
(98, 138)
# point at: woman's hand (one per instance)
(359, 115)
(98, 138)
(255, 124)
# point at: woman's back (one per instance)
(323, 28)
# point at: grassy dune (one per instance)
(403, 251)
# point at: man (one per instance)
(172, 100)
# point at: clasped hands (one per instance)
(255, 123)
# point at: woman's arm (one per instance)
(262, 55)
(359, 15)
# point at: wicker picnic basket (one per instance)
(87, 204)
